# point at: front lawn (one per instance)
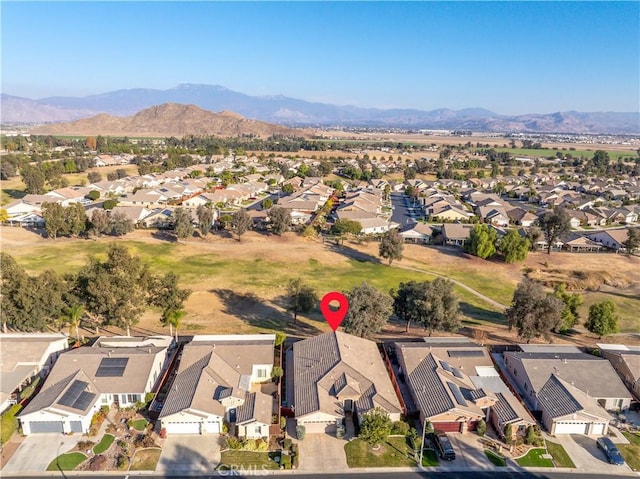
(145, 459)
(631, 452)
(560, 456)
(66, 462)
(104, 444)
(429, 458)
(248, 460)
(534, 459)
(394, 452)
(9, 423)
(495, 459)
(138, 424)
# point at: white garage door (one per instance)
(182, 427)
(211, 427)
(598, 429)
(319, 427)
(572, 428)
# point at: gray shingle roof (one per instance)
(504, 411)
(184, 387)
(556, 399)
(429, 391)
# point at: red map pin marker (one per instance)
(334, 318)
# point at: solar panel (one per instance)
(465, 353)
(73, 393)
(83, 401)
(455, 390)
(112, 367)
(457, 373)
(445, 365)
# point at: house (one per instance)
(24, 356)
(456, 234)
(220, 379)
(333, 374)
(626, 361)
(577, 243)
(454, 384)
(134, 213)
(117, 370)
(419, 233)
(612, 239)
(522, 217)
(572, 390)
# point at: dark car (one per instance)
(610, 450)
(443, 445)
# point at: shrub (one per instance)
(300, 432)
(225, 427)
(233, 443)
(285, 461)
(277, 372)
(84, 445)
(481, 428)
(414, 439)
(400, 428)
(287, 443)
(93, 195)
(261, 445)
(508, 434)
(283, 422)
(109, 204)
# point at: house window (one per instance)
(262, 373)
(105, 399)
(131, 398)
(258, 430)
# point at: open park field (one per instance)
(238, 287)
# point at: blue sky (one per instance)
(509, 57)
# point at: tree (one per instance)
(72, 315)
(109, 204)
(115, 290)
(280, 219)
(119, 224)
(602, 318)
(267, 203)
(241, 223)
(94, 176)
(345, 227)
(508, 433)
(173, 318)
(632, 242)
(391, 246)
(369, 310)
(205, 219)
(91, 143)
(182, 226)
(481, 428)
(4, 216)
(166, 294)
(600, 160)
(287, 188)
(403, 301)
(99, 223)
(570, 301)
(514, 247)
(375, 426)
(534, 312)
(482, 241)
(301, 298)
(555, 225)
(54, 219)
(33, 179)
(438, 308)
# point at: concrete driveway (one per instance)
(38, 450)
(190, 453)
(585, 454)
(322, 452)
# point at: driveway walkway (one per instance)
(37, 451)
(322, 452)
(183, 453)
(585, 454)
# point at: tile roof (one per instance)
(556, 399)
(336, 358)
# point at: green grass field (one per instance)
(534, 459)
(67, 462)
(247, 460)
(9, 423)
(547, 152)
(145, 459)
(631, 452)
(104, 444)
(560, 456)
(395, 452)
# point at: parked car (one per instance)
(610, 450)
(443, 445)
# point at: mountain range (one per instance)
(294, 112)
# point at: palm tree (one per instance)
(172, 318)
(72, 315)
